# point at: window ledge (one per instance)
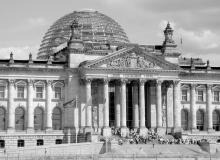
(39, 100)
(185, 102)
(20, 99)
(3, 99)
(215, 102)
(200, 102)
(57, 100)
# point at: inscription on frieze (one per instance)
(132, 61)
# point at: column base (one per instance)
(88, 129)
(143, 131)
(10, 130)
(210, 130)
(81, 129)
(176, 130)
(49, 129)
(194, 130)
(161, 130)
(30, 130)
(106, 131)
(124, 131)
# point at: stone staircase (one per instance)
(159, 149)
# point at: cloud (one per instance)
(38, 21)
(204, 39)
(19, 52)
(26, 25)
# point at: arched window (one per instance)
(38, 118)
(19, 118)
(57, 118)
(184, 119)
(200, 120)
(2, 118)
(216, 120)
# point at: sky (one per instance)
(197, 22)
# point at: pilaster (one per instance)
(11, 109)
(88, 106)
(124, 129)
(142, 129)
(117, 106)
(106, 129)
(30, 109)
(49, 106)
(193, 107)
(209, 108)
(135, 107)
(176, 106)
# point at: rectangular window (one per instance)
(2, 91)
(20, 143)
(40, 142)
(184, 95)
(20, 92)
(57, 92)
(200, 96)
(39, 92)
(216, 96)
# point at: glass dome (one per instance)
(95, 27)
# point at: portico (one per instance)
(134, 112)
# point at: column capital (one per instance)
(106, 80)
(88, 80)
(30, 82)
(49, 82)
(11, 81)
(123, 81)
(159, 82)
(142, 81)
(209, 86)
(193, 85)
(176, 82)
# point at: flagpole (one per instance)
(77, 126)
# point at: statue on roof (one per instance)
(168, 33)
(75, 29)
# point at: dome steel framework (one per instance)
(95, 28)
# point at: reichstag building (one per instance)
(88, 78)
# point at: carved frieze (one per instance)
(132, 60)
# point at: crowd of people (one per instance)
(152, 137)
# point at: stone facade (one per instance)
(79, 91)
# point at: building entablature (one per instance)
(130, 63)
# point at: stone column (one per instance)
(124, 129)
(209, 108)
(159, 104)
(106, 129)
(11, 109)
(88, 106)
(30, 107)
(117, 106)
(176, 106)
(193, 107)
(49, 105)
(143, 129)
(135, 109)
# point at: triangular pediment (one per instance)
(131, 58)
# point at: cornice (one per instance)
(8, 69)
(128, 70)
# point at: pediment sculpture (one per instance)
(132, 61)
